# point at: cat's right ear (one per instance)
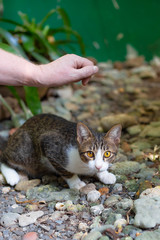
(83, 133)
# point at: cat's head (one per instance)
(98, 149)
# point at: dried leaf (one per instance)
(104, 190)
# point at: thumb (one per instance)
(87, 71)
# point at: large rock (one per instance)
(50, 193)
(124, 119)
(151, 131)
(147, 212)
(125, 168)
(147, 235)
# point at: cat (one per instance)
(47, 144)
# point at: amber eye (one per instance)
(90, 154)
(107, 154)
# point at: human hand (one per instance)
(66, 69)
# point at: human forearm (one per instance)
(16, 71)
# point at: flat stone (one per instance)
(9, 219)
(147, 212)
(25, 185)
(29, 218)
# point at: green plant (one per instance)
(37, 42)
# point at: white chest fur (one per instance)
(76, 165)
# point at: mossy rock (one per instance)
(126, 167)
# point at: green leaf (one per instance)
(32, 99)
(28, 42)
(24, 18)
(39, 58)
(20, 101)
(10, 21)
(65, 19)
(7, 48)
(50, 13)
(15, 94)
(74, 33)
(1, 7)
(13, 42)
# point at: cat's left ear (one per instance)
(83, 132)
(115, 133)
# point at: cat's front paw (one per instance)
(75, 182)
(78, 185)
(106, 177)
(11, 176)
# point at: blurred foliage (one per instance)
(37, 42)
(1, 8)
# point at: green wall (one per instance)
(99, 23)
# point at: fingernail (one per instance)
(95, 69)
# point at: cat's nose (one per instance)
(98, 167)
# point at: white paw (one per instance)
(75, 182)
(11, 176)
(78, 185)
(106, 177)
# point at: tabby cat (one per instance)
(47, 144)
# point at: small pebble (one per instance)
(119, 223)
(88, 188)
(93, 196)
(6, 190)
(97, 210)
(30, 236)
(56, 215)
(118, 187)
(60, 206)
(82, 226)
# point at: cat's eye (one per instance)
(90, 154)
(107, 154)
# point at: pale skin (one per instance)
(16, 71)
